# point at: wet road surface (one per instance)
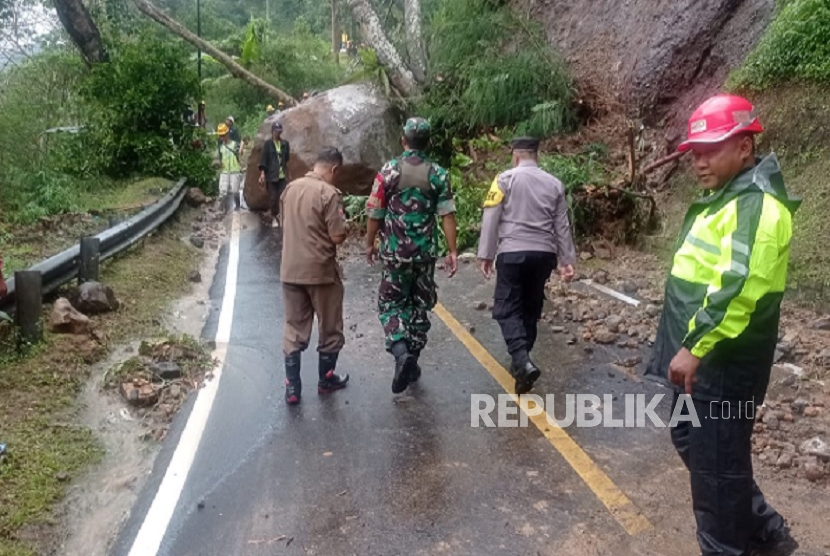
(365, 472)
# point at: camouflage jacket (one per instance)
(408, 229)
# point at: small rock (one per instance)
(771, 421)
(778, 356)
(785, 461)
(571, 340)
(175, 391)
(631, 361)
(812, 411)
(66, 319)
(197, 242)
(481, 305)
(62, 476)
(814, 472)
(600, 277)
(467, 257)
(557, 329)
(195, 197)
(472, 329)
(788, 417)
(586, 256)
(613, 323)
(166, 370)
(195, 276)
(823, 358)
(816, 447)
(629, 287)
(605, 336)
(788, 381)
(633, 332)
(785, 347)
(200, 505)
(652, 310)
(822, 323)
(791, 338)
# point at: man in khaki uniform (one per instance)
(314, 224)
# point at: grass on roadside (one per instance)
(38, 409)
(23, 245)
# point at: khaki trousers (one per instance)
(302, 302)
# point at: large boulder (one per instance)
(358, 119)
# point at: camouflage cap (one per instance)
(417, 128)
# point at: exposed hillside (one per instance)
(652, 55)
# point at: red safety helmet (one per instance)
(719, 118)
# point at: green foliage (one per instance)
(355, 207)
(469, 197)
(136, 106)
(493, 69)
(796, 47)
(295, 62)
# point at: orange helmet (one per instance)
(719, 118)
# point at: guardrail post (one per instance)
(28, 291)
(89, 260)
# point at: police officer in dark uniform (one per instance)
(525, 233)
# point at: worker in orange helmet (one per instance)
(719, 327)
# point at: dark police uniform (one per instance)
(526, 230)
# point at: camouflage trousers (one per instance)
(407, 293)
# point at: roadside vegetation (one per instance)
(46, 447)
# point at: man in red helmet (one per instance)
(719, 327)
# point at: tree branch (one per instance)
(415, 39)
(154, 13)
(400, 75)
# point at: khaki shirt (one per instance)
(526, 210)
(311, 212)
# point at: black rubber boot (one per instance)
(293, 384)
(329, 381)
(524, 371)
(405, 364)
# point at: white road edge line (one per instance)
(612, 293)
(148, 540)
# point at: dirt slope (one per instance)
(652, 56)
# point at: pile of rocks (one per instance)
(780, 425)
(159, 379)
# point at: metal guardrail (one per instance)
(63, 267)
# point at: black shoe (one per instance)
(525, 376)
(405, 365)
(293, 384)
(781, 544)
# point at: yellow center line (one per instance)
(618, 504)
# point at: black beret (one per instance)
(525, 144)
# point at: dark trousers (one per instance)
(520, 295)
(275, 189)
(729, 508)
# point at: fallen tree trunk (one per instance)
(400, 75)
(235, 69)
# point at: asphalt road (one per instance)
(365, 472)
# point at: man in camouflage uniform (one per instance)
(408, 194)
